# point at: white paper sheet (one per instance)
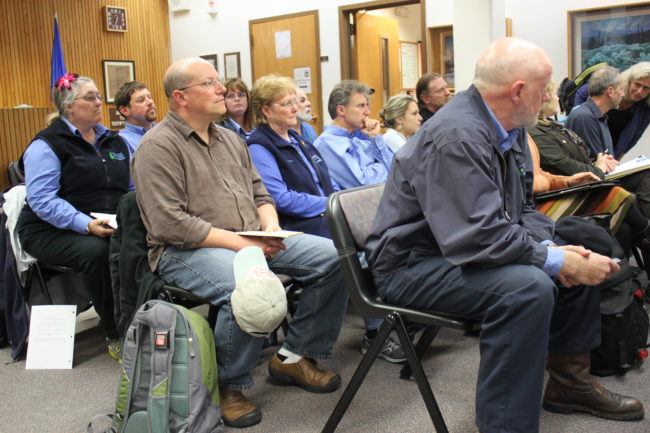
(51, 337)
(283, 44)
(112, 218)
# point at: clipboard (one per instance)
(574, 189)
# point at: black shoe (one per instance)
(391, 351)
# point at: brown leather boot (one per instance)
(305, 374)
(571, 388)
(236, 410)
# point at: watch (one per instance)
(115, 19)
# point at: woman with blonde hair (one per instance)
(402, 119)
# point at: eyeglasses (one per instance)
(288, 104)
(240, 95)
(90, 97)
(209, 84)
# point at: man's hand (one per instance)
(269, 246)
(371, 127)
(582, 266)
(582, 178)
(601, 162)
(100, 228)
(611, 162)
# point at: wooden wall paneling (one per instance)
(26, 29)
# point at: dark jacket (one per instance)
(297, 175)
(132, 280)
(561, 150)
(453, 193)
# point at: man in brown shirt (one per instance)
(196, 186)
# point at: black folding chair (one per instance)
(349, 215)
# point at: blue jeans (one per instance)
(311, 260)
(519, 307)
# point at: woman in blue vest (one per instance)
(74, 167)
(296, 175)
(293, 171)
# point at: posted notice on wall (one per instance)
(302, 77)
(283, 44)
(51, 337)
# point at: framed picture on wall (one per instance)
(212, 58)
(116, 73)
(231, 65)
(618, 35)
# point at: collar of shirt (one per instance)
(506, 139)
(187, 131)
(338, 131)
(100, 130)
(240, 130)
(594, 109)
(137, 129)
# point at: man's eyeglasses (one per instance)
(288, 104)
(90, 97)
(208, 84)
(240, 95)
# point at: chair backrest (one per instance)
(350, 214)
(16, 175)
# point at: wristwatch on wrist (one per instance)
(87, 230)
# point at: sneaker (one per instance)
(114, 348)
(391, 351)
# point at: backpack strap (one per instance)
(163, 325)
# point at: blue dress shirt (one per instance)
(132, 134)
(555, 257)
(288, 202)
(43, 181)
(307, 132)
(354, 159)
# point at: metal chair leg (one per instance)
(420, 377)
(428, 334)
(41, 281)
(360, 374)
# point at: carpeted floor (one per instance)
(63, 401)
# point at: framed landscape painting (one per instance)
(618, 35)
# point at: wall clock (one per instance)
(115, 19)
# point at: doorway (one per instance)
(383, 45)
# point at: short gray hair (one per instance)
(177, 77)
(500, 64)
(63, 97)
(341, 94)
(394, 108)
(603, 79)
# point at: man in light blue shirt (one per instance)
(352, 145)
(133, 100)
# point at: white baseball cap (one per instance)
(259, 301)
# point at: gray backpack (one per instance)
(168, 382)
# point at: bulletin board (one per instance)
(409, 54)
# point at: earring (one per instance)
(399, 127)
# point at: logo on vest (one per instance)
(119, 156)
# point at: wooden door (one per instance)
(288, 44)
(376, 54)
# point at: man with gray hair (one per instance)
(455, 233)
(589, 120)
(352, 145)
(197, 188)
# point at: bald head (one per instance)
(507, 60)
(179, 74)
(511, 77)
